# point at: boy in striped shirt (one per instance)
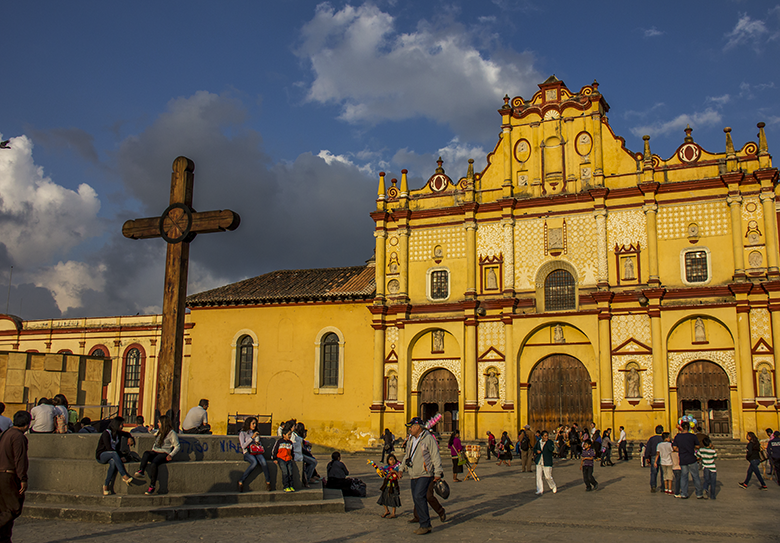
(708, 456)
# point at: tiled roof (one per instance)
(356, 282)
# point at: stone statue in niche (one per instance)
(392, 387)
(632, 383)
(628, 269)
(492, 279)
(437, 343)
(558, 334)
(555, 238)
(491, 385)
(764, 383)
(699, 333)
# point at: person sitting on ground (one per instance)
(337, 473)
(42, 417)
(197, 420)
(5, 422)
(165, 448)
(140, 427)
(86, 426)
(108, 452)
(249, 440)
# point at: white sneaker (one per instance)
(555, 490)
(538, 493)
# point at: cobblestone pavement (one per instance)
(502, 506)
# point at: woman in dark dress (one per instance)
(387, 444)
(505, 450)
(455, 449)
(754, 457)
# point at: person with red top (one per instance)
(491, 447)
(282, 455)
(13, 473)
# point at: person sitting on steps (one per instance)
(166, 445)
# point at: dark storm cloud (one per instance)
(74, 139)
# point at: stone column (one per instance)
(598, 159)
(471, 397)
(506, 140)
(471, 258)
(510, 374)
(381, 264)
(651, 211)
(509, 255)
(403, 258)
(770, 230)
(745, 358)
(735, 207)
(378, 398)
(660, 363)
(603, 298)
(601, 246)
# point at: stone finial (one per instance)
(688, 137)
(404, 184)
(506, 100)
(595, 86)
(381, 191)
(648, 155)
(440, 169)
(762, 145)
(470, 172)
(729, 142)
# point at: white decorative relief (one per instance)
(625, 228)
(712, 218)
(645, 361)
(759, 326)
(625, 327)
(490, 239)
(763, 359)
(482, 368)
(391, 368)
(752, 210)
(420, 367)
(392, 336)
(422, 242)
(491, 334)
(725, 359)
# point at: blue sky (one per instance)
(290, 110)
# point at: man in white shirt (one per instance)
(42, 417)
(197, 420)
(622, 444)
(5, 422)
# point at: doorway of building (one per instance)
(703, 393)
(559, 392)
(439, 394)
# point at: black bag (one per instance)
(357, 488)
(441, 488)
(525, 443)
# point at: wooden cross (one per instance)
(178, 225)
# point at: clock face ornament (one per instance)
(176, 223)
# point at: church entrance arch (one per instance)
(439, 394)
(559, 392)
(703, 393)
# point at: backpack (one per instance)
(60, 423)
(525, 443)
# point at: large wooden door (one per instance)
(703, 392)
(559, 392)
(439, 394)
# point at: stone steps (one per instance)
(113, 509)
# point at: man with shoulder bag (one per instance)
(423, 463)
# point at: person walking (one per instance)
(505, 450)
(708, 455)
(423, 463)
(456, 448)
(575, 444)
(651, 458)
(753, 456)
(622, 445)
(249, 440)
(165, 447)
(526, 448)
(387, 444)
(686, 444)
(491, 445)
(107, 452)
(773, 452)
(586, 467)
(543, 456)
(13, 473)
(606, 448)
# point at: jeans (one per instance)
(114, 464)
(655, 471)
(753, 468)
(309, 464)
(153, 459)
(432, 501)
(286, 468)
(419, 491)
(254, 460)
(587, 476)
(710, 481)
(693, 469)
(676, 483)
(622, 450)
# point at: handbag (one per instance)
(442, 488)
(255, 449)
(762, 457)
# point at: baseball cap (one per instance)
(415, 420)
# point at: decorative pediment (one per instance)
(632, 346)
(491, 354)
(391, 357)
(762, 347)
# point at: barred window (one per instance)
(440, 285)
(244, 360)
(130, 407)
(559, 291)
(696, 267)
(329, 374)
(133, 368)
(98, 352)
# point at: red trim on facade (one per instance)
(123, 361)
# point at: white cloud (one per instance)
(703, 118)
(330, 159)
(746, 90)
(38, 218)
(746, 30)
(376, 73)
(719, 100)
(653, 32)
(68, 280)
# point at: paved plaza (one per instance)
(502, 506)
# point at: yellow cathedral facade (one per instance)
(571, 280)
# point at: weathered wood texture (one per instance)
(559, 392)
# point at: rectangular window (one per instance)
(440, 285)
(696, 266)
(130, 407)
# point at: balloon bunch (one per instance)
(687, 418)
(434, 421)
(387, 472)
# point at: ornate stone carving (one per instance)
(490, 239)
(712, 218)
(626, 228)
(483, 368)
(490, 334)
(420, 367)
(625, 327)
(644, 362)
(760, 326)
(423, 241)
(725, 359)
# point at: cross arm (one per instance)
(202, 223)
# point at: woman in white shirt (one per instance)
(165, 448)
(249, 439)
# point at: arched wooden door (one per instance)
(439, 394)
(559, 392)
(703, 393)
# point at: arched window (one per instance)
(244, 359)
(133, 368)
(132, 384)
(559, 291)
(329, 374)
(97, 352)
